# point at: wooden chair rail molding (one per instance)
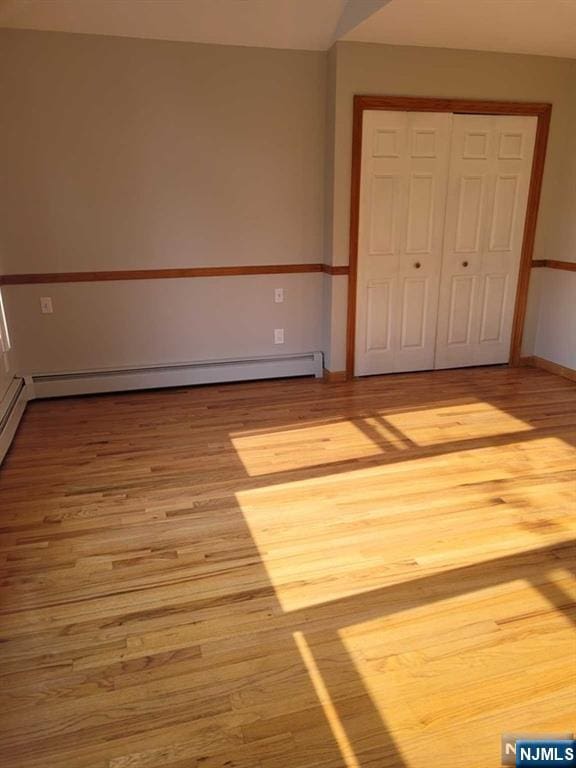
(569, 266)
(329, 269)
(164, 274)
(33, 278)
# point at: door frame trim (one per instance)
(542, 111)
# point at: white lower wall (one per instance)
(335, 322)
(12, 407)
(6, 374)
(532, 312)
(555, 338)
(6, 360)
(122, 324)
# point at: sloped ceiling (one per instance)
(545, 27)
(300, 24)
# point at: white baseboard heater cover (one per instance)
(176, 375)
(12, 407)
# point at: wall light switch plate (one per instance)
(278, 335)
(46, 305)
(279, 295)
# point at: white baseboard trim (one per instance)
(12, 407)
(176, 375)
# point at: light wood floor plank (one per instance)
(290, 574)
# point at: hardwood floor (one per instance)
(290, 574)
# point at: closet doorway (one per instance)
(443, 216)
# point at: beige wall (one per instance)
(119, 153)
(363, 68)
(125, 153)
(551, 332)
(335, 288)
(396, 70)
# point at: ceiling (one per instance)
(300, 24)
(546, 27)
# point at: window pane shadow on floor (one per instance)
(357, 725)
(560, 600)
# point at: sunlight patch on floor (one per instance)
(430, 676)
(413, 518)
(316, 445)
(308, 446)
(435, 426)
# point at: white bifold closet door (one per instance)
(402, 198)
(442, 208)
(489, 179)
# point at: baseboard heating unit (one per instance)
(176, 375)
(40, 385)
(12, 407)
